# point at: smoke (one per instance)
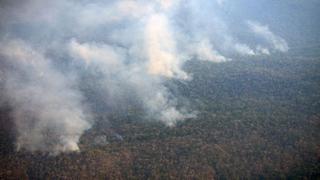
(161, 48)
(205, 51)
(221, 2)
(62, 60)
(47, 108)
(275, 41)
(130, 80)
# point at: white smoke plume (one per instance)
(136, 77)
(244, 49)
(161, 48)
(129, 48)
(277, 42)
(47, 107)
(204, 51)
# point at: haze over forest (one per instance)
(169, 89)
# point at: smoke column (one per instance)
(47, 109)
(63, 60)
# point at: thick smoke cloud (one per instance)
(161, 48)
(47, 108)
(127, 49)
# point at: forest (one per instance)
(256, 119)
(159, 89)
